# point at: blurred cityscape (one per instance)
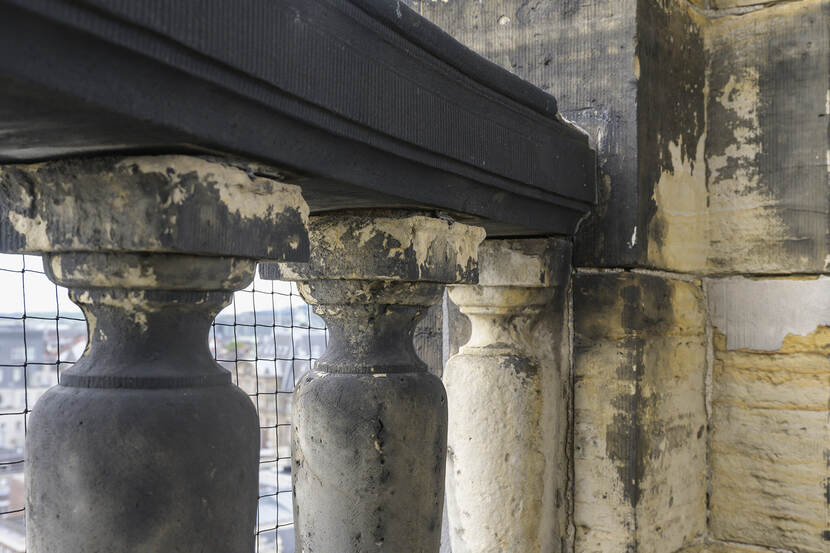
(267, 338)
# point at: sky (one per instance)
(41, 295)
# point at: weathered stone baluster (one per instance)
(369, 426)
(508, 396)
(146, 446)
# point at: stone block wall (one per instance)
(701, 302)
(767, 140)
(770, 424)
(640, 419)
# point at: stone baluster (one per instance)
(145, 445)
(369, 422)
(508, 396)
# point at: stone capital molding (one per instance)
(385, 245)
(159, 204)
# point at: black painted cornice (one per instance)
(362, 102)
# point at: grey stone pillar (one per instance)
(369, 423)
(146, 445)
(508, 395)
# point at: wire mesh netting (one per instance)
(267, 338)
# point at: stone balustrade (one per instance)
(146, 446)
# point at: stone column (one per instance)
(146, 445)
(369, 422)
(508, 395)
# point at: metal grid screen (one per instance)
(268, 337)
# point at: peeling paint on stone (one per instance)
(531, 263)
(759, 314)
(246, 196)
(738, 205)
(671, 94)
(767, 140)
(681, 209)
(770, 423)
(387, 245)
(147, 271)
(27, 229)
(184, 204)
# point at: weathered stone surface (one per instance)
(182, 204)
(671, 92)
(640, 420)
(368, 456)
(145, 445)
(556, 48)
(456, 328)
(386, 245)
(713, 144)
(632, 74)
(370, 422)
(770, 429)
(767, 143)
(530, 263)
(509, 396)
(712, 134)
(147, 271)
(715, 546)
(728, 4)
(428, 339)
(145, 431)
(710, 545)
(368, 322)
